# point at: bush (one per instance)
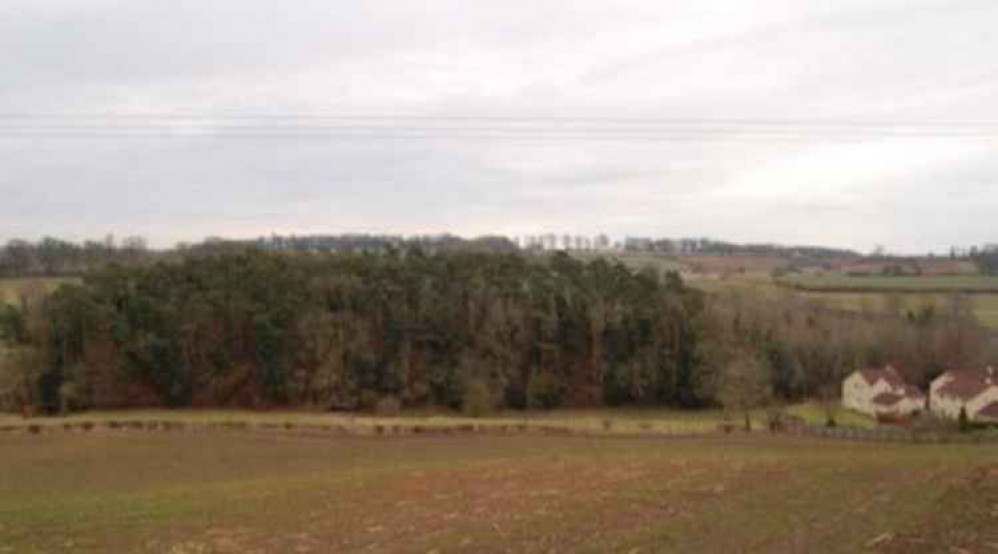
(965, 425)
(544, 391)
(368, 400)
(70, 397)
(20, 371)
(388, 406)
(776, 418)
(13, 327)
(477, 399)
(928, 422)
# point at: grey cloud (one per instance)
(779, 59)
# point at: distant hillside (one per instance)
(53, 257)
(971, 284)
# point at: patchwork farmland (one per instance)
(948, 284)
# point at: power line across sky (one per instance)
(409, 126)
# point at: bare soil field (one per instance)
(224, 492)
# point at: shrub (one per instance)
(965, 425)
(477, 399)
(13, 327)
(776, 418)
(20, 371)
(544, 391)
(71, 397)
(928, 422)
(368, 400)
(388, 406)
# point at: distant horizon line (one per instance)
(616, 241)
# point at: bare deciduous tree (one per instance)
(744, 384)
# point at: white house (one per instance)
(881, 392)
(974, 391)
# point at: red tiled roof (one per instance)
(990, 411)
(966, 385)
(887, 399)
(888, 374)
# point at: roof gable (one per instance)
(989, 411)
(966, 385)
(887, 399)
(887, 374)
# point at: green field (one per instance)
(909, 284)
(758, 283)
(224, 492)
(635, 261)
(984, 305)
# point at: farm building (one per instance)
(975, 391)
(881, 392)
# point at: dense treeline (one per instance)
(361, 243)
(52, 257)
(343, 331)
(807, 347)
(251, 327)
(986, 259)
(709, 247)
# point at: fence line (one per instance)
(383, 427)
(606, 428)
(889, 435)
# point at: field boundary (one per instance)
(883, 285)
(890, 435)
(365, 429)
(385, 427)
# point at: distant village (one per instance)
(884, 394)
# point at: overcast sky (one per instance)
(849, 123)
